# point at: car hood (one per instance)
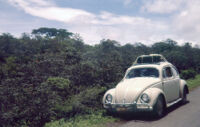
(128, 90)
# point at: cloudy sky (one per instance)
(126, 21)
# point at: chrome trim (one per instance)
(145, 106)
(134, 105)
(174, 102)
(121, 103)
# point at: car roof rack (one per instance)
(149, 59)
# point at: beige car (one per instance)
(150, 84)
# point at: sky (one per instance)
(126, 21)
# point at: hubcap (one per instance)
(160, 108)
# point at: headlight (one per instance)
(145, 98)
(109, 98)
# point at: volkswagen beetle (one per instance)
(151, 84)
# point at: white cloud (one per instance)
(183, 17)
(162, 6)
(67, 15)
(142, 30)
(74, 16)
(47, 10)
(186, 24)
(183, 25)
(93, 27)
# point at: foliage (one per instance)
(86, 101)
(193, 83)
(52, 32)
(188, 74)
(59, 84)
(51, 74)
(96, 119)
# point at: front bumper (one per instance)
(128, 107)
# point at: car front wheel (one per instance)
(159, 107)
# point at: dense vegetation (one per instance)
(96, 119)
(51, 74)
(193, 83)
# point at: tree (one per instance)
(52, 33)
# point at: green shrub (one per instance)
(188, 74)
(84, 102)
(92, 120)
(58, 83)
(30, 104)
(193, 83)
(58, 90)
(198, 70)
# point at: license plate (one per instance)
(121, 109)
(142, 106)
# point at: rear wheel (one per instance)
(184, 96)
(159, 107)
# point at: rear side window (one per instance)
(139, 60)
(167, 72)
(175, 71)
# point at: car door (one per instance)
(170, 85)
(176, 81)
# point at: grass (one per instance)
(92, 120)
(193, 83)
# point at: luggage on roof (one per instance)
(152, 58)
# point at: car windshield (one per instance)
(142, 72)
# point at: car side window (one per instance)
(167, 72)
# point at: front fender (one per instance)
(153, 93)
(112, 92)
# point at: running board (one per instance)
(174, 102)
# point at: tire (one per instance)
(184, 96)
(159, 108)
(109, 112)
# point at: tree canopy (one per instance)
(52, 32)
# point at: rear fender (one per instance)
(183, 84)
